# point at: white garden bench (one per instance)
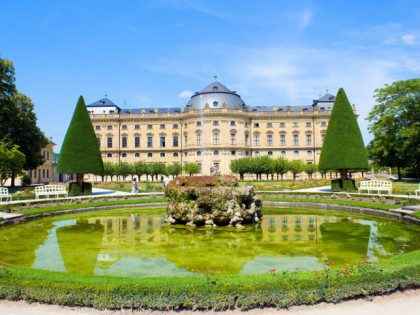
(51, 190)
(375, 185)
(4, 193)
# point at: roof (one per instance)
(103, 103)
(215, 87)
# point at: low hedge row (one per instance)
(209, 292)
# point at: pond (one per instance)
(137, 243)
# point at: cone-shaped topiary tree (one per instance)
(343, 149)
(80, 152)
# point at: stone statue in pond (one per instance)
(211, 201)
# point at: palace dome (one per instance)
(215, 95)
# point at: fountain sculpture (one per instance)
(211, 201)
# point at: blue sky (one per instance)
(156, 53)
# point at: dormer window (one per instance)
(111, 111)
(215, 88)
(215, 103)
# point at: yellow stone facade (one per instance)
(211, 134)
(45, 173)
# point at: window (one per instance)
(296, 153)
(109, 155)
(309, 153)
(323, 124)
(175, 126)
(295, 124)
(256, 125)
(282, 124)
(186, 140)
(185, 125)
(198, 153)
(109, 127)
(149, 126)
(216, 166)
(150, 154)
(256, 140)
(185, 153)
(322, 137)
(124, 142)
(246, 125)
(98, 140)
(282, 139)
(269, 139)
(216, 152)
(137, 155)
(308, 139)
(162, 154)
(269, 125)
(149, 141)
(97, 127)
(246, 139)
(215, 103)
(162, 141)
(232, 152)
(162, 126)
(137, 127)
(175, 140)
(124, 127)
(308, 124)
(109, 142)
(246, 153)
(283, 153)
(295, 139)
(216, 139)
(198, 138)
(232, 123)
(175, 154)
(124, 155)
(270, 153)
(137, 142)
(257, 153)
(232, 138)
(198, 123)
(215, 123)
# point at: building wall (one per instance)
(211, 137)
(46, 172)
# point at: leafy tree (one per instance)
(11, 162)
(156, 169)
(18, 120)
(395, 125)
(141, 168)
(310, 169)
(296, 167)
(343, 147)
(280, 166)
(241, 166)
(109, 170)
(174, 169)
(192, 168)
(262, 165)
(80, 152)
(124, 169)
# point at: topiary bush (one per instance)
(76, 190)
(340, 184)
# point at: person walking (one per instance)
(134, 186)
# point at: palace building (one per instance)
(213, 129)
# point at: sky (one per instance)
(156, 53)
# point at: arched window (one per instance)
(124, 155)
(149, 154)
(137, 155)
(257, 153)
(270, 153)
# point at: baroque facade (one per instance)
(213, 129)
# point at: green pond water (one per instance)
(137, 243)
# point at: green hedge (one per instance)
(343, 185)
(208, 292)
(76, 190)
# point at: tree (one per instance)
(140, 168)
(80, 151)
(11, 162)
(124, 169)
(310, 169)
(241, 166)
(296, 167)
(395, 125)
(109, 170)
(174, 169)
(18, 120)
(343, 147)
(156, 169)
(192, 168)
(280, 166)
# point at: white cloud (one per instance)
(185, 94)
(306, 18)
(409, 39)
